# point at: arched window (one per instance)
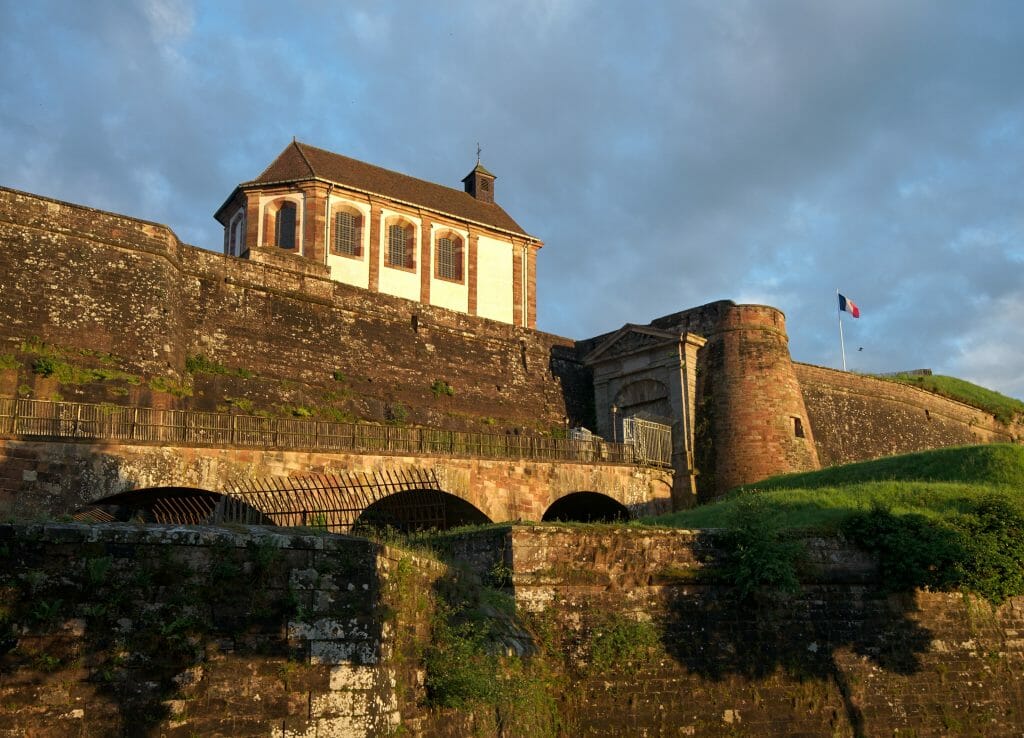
(401, 245)
(284, 226)
(347, 240)
(236, 235)
(449, 257)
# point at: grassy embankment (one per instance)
(1006, 409)
(949, 519)
(934, 484)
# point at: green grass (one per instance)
(1006, 409)
(935, 484)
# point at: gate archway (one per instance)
(586, 507)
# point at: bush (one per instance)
(459, 670)
(440, 387)
(757, 555)
(979, 551)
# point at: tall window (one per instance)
(399, 253)
(346, 233)
(449, 258)
(284, 226)
(236, 236)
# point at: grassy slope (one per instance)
(933, 483)
(1006, 409)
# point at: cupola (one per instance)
(480, 183)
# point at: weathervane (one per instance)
(478, 150)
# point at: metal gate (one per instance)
(651, 442)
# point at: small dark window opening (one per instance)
(522, 355)
(927, 415)
(284, 226)
(798, 428)
(415, 323)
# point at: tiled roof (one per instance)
(302, 161)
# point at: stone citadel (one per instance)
(348, 291)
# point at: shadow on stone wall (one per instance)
(711, 631)
(120, 630)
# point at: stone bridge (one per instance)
(54, 477)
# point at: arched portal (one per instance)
(421, 509)
(586, 507)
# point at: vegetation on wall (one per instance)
(1005, 409)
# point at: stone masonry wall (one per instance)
(50, 478)
(841, 658)
(123, 630)
(107, 284)
(856, 418)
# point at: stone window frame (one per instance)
(457, 260)
(357, 235)
(408, 228)
(271, 213)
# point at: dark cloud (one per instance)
(668, 154)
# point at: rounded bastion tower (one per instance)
(758, 421)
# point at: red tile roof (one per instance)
(301, 161)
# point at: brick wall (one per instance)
(856, 418)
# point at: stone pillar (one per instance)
(374, 255)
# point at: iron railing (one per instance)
(25, 418)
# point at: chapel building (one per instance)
(388, 232)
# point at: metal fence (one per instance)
(46, 419)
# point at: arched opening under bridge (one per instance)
(420, 509)
(586, 507)
(175, 505)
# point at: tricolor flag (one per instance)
(848, 306)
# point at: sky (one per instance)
(668, 153)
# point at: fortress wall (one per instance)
(326, 643)
(76, 276)
(839, 658)
(856, 418)
(82, 278)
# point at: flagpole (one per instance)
(842, 344)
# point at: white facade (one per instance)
(494, 297)
(396, 280)
(353, 270)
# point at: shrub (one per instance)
(758, 556)
(979, 551)
(440, 387)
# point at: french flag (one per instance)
(848, 306)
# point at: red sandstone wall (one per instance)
(840, 658)
(91, 280)
(856, 418)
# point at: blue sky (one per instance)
(668, 154)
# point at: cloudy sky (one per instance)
(668, 153)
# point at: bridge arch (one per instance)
(586, 507)
(421, 509)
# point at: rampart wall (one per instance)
(196, 631)
(856, 418)
(78, 277)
